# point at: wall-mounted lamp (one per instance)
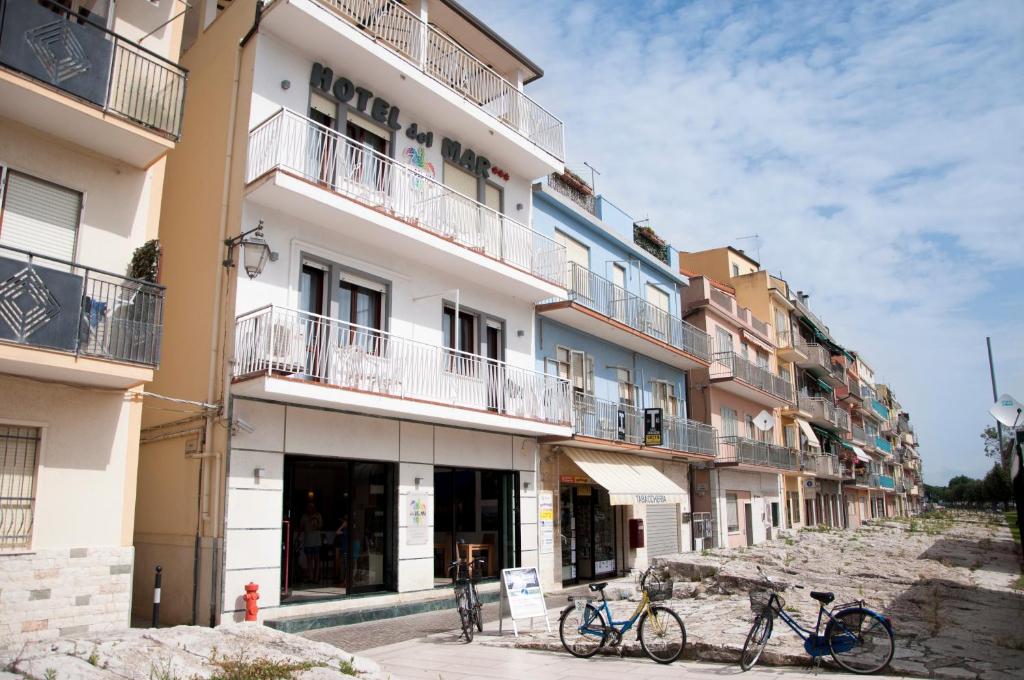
(417, 481)
(526, 486)
(520, 333)
(286, 84)
(255, 251)
(257, 474)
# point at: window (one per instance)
(730, 422)
(775, 514)
(458, 179)
(494, 197)
(723, 339)
(762, 361)
(466, 330)
(732, 513)
(39, 216)
(619, 275)
(782, 328)
(19, 450)
(665, 397)
(574, 366)
(627, 390)
(735, 270)
(576, 253)
(752, 431)
(790, 434)
(657, 297)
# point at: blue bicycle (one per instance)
(859, 639)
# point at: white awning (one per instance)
(860, 453)
(812, 436)
(628, 479)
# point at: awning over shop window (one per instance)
(812, 437)
(863, 457)
(627, 479)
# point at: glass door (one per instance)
(567, 520)
(372, 514)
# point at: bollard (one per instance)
(251, 595)
(156, 597)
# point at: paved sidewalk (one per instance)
(445, 657)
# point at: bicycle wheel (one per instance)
(662, 634)
(478, 615)
(582, 633)
(757, 638)
(860, 640)
(465, 615)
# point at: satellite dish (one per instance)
(764, 421)
(1008, 411)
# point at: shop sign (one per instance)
(621, 427)
(417, 518)
(574, 479)
(652, 426)
(651, 498)
(546, 520)
(809, 483)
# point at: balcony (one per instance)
(825, 466)
(853, 392)
(869, 481)
(384, 38)
(76, 80)
(813, 357)
(314, 172)
(858, 435)
(886, 482)
(728, 304)
(600, 419)
(305, 358)
(880, 408)
(787, 347)
(739, 376)
(836, 375)
(883, 445)
(599, 307)
(67, 322)
(734, 450)
(825, 414)
(575, 189)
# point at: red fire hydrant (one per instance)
(251, 595)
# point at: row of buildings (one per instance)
(358, 338)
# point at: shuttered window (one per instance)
(460, 180)
(39, 216)
(662, 529)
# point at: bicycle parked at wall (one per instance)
(859, 639)
(583, 629)
(463, 575)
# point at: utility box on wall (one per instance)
(636, 534)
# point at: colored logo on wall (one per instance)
(417, 157)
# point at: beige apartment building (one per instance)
(91, 103)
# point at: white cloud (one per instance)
(905, 119)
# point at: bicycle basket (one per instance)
(659, 590)
(759, 599)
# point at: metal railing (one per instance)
(823, 409)
(586, 201)
(55, 304)
(883, 444)
(680, 434)
(730, 364)
(702, 525)
(880, 409)
(867, 393)
(857, 434)
(600, 418)
(815, 352)
(601, 295)
(828, 466)
(443, 59)
(19, 448)
(332, 352)
(342, 165)
(838, 372)
(732, 449)
(99, 66)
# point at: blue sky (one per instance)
(876, 148)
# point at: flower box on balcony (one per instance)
(576, 182)
(646, 238)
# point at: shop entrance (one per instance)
(588, 523)
(338, 528)
(476, 515)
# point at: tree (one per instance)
(996, 485)
(990, 437)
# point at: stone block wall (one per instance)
(69, 591)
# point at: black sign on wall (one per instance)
(621, 428)
(652, 427)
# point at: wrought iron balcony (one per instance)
(58, 305)
(443, 59)
(732, 449)
(599, 418)
(681, 434)
(66, 51)
(731, 365)
(298, 145)
(604, 297)
(325, 351)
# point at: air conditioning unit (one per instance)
(287, 350)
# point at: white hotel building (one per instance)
(379, 399)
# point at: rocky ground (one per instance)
(946, 581)
(228, 652)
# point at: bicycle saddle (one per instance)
(822, 597)
(594, 587)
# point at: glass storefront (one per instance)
(476, 514)
(338, 528)
(588, 523)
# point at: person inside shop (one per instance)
(310, 525)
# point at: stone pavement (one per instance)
(445, 657)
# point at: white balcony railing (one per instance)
(816, 354)
(823, 409)
(275, 340)
(734, 449)
(600, 418)
(443, 59)
(604, 297)
(731, 365)
(290, 142)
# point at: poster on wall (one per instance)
(417, 518)
(546, 520)
(522, 594)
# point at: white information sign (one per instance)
(546, 521)
(417, 518)
(520, 588)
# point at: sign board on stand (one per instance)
(522, 595)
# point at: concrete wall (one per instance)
(760, 489)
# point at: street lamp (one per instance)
(255, 251)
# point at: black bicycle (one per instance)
(466, 599)
(859, 639)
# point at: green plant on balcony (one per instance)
(645, 237)
(576, 182)
(145, 263)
